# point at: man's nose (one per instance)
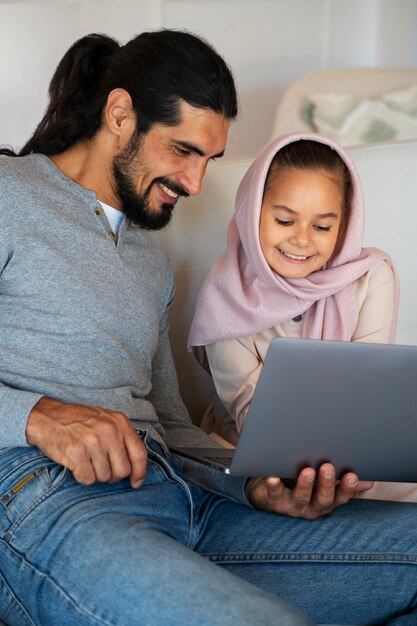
(193, 178)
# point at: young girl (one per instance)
(294, 267)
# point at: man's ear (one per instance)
(119, 116)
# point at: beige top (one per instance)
(236, 364)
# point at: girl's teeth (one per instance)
(169, 192)
(294, 256)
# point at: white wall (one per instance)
(267, 42)
(33, 37)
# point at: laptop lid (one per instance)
(352, 404)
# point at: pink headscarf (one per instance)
(243, 295)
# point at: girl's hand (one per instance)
(311, 497)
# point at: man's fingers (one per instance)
(326, 486)
(303, 490)
(96, 444)
(364, 485)
(84, 473)
(127, 454)
(102, 467)
(137, 453)
(351, 485)
(313, 495)
(274, 489)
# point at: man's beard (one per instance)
(135, 205)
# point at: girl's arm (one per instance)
(376, 297)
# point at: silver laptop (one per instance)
(352, 404)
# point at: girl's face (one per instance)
(300, 221)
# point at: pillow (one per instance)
(349, 120)
(404, 100)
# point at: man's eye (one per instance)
(181, 151)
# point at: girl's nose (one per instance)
(302, 236)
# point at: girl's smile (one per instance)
(294, 257)
(300, 220)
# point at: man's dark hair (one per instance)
(158, 69)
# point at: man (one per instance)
(99, 524)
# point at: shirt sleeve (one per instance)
(235, 366)
(179, 428)
(376, 293)
(15, 404)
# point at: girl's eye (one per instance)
(323, 228)
(283, 222)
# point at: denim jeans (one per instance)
(173, 554)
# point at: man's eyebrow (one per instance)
(193, 148)
(292, 212)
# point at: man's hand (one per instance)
(310, 497)
(95, 444)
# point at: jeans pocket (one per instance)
(27, 490)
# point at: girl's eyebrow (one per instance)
(282, 207)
